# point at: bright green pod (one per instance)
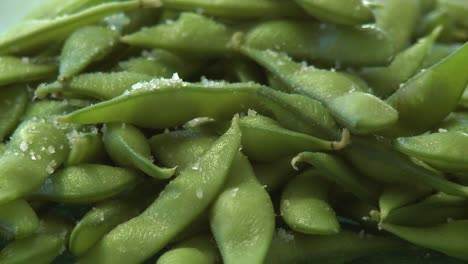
(173, 102)
(455, 121)
(239, 9)
(191, 192)
(180, 148)
(304, 205)
(101, 86)
(54, 8)
(15, 70)
(336, 170)
(85, 147)
(396, 196)
(438, 52)
(13, 102)
(235, 234)
(386, 80)
(33, 35)
(443, 150)
(345, 12)
(398, 19)
(17, 220)
(333, 44)
(274, 175)
(299, 113)
(448, 238)
(345, 98)
(128, 147)
(265, 140)
(83, 47)
(86, 183)
(191, 33)
(292, 247)
(196, 250)
(98, 222)
(416, 99)
(433, 210)
(42, 247)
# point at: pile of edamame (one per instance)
(234, 131)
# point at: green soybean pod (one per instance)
(464, 99)
(54, 8)
(137, 239)
(40, 248)
(292, 247)
(447, 238)
(265, 140)
(13, 102)
(184, 101)
(438, 52)
(32, 35)
(455, 121)
(14, 70)
(85, 147)
(86, 183)
(343, 12)
(274, 175)
(242, 218)
(83, 47)
(396, 196)
(128, 147)
(239, 9)
(304, 205)
(197, 250)
(17, 220)
(101, 86)
(336, 170)
(415, 100)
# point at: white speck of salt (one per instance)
(199, 193)
(284, 235)
(23, 146)
(234, 192)
(442, 130)
(51, 149)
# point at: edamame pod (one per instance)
(396, 196)
(17, 220)
(54, 8)
(86, 183)
(184, 101)
(196, 250)
(456, 121)
(304, 205)
(273, 175)
(85, 147)
(234, 233)
(128, 147)
(14, 70)
(346, 12)
(146, 234)
(83, 47)
(13, 102)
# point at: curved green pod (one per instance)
(98, 222)
(83, 47)
(274, 175)
(239, 9)
(242, 216)
(101, 86)
(345, 98)
(345, 12)
(443, 150)
(128, 147)
(85, 147)
(53, 8)
(386, 80)
(86, 183)
(304, 205)
(13, 102)
(433, 210)
(184, 101)
(14, 70)
(32, 35)
(455, 121)
(448, 238)
(299, 113)
(396, 196)
(191, 192)
(438, 52)
(265, 140)
(416, 99)
(361, 46)
(42, 247)
(197, 250)
(190, 33)
(17, 220)
(398, 19)
(29, 159)
(336, 170)
(292, 247)
(180, 148)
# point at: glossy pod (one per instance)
(14, 70)
(197, 250)
(17, 220)
(13, 102)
